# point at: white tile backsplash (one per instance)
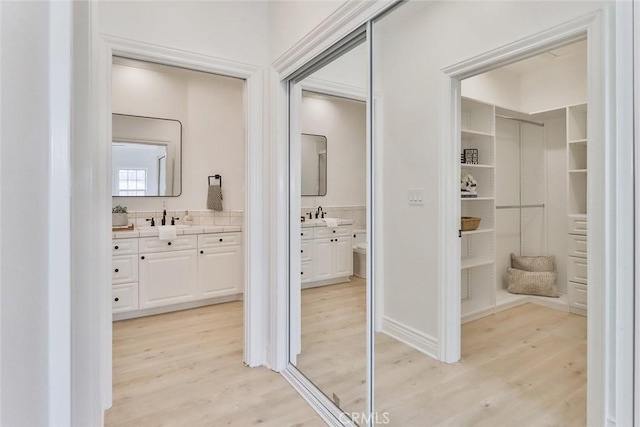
(199, 217)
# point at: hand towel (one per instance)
(331, 222)
(167, 232)
(214, 198)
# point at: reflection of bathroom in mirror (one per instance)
(146, 156)
(314, 165)
(329, 298)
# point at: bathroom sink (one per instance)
(150, 228)
(317, 221)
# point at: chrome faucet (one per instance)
(318, 211)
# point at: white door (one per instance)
(343, 256)
(167, 278)
(220, 271)
(324, 252)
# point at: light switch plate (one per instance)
(416, 196)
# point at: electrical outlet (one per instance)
(416, 196)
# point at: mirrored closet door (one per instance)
(394, 211)
(328, 200)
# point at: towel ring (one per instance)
(216, 176)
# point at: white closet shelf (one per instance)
(468, 133)
(578, 142)
(488, 230)
(467, 165)
(578, 171)
(474, 262)
(476, 199)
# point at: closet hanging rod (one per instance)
(520, 206)
(520, 120)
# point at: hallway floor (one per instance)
(185, 369)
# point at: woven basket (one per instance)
(469, 223)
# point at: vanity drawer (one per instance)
(306, 272)
(124, 269)
(124, 246)
(577, 270)
(577, 246)
(322, 232)
(219, 239)
(124, 297)
(306, 233)
(578, 224)
(180, 243)
(306, 251)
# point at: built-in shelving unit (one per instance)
(577, 208)
(478, 246)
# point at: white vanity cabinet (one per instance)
(220, 262)
(152, 276)
(167, 278)
(124, 275)
(326, 255)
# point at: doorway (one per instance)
(249, 194)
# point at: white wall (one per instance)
(211, 110)
(546, 84)
(343, 122)
(499, 87)
(223, 29)
(24, 173)
(563, 82)
(290, 21)
(414, 43)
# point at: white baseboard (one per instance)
(422, 342)
(175, 307)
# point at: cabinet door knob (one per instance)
(117, 299)
(302, 272)
(221, 240)
(201, 252)
(116, 247)
(301, 251)
(302, 234)
(332, 240)
(334, 231)
(169, 243)
(116, 270)
(142, 257)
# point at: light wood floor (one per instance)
(334, 344)
(522, 367)
(185, 369)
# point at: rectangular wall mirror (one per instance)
(314, 165)
(146, 157)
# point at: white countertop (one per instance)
(319, 223)
(195, 229)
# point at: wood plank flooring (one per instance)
(522, 367)
(334, 344)
(185, 369)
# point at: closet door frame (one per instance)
(607, 235)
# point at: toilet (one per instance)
(360, 253)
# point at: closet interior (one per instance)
(523, 167)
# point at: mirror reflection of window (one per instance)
(132, 182)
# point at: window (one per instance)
(132, 182)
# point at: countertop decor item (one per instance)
(119, 216)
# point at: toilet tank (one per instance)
(359, 236)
